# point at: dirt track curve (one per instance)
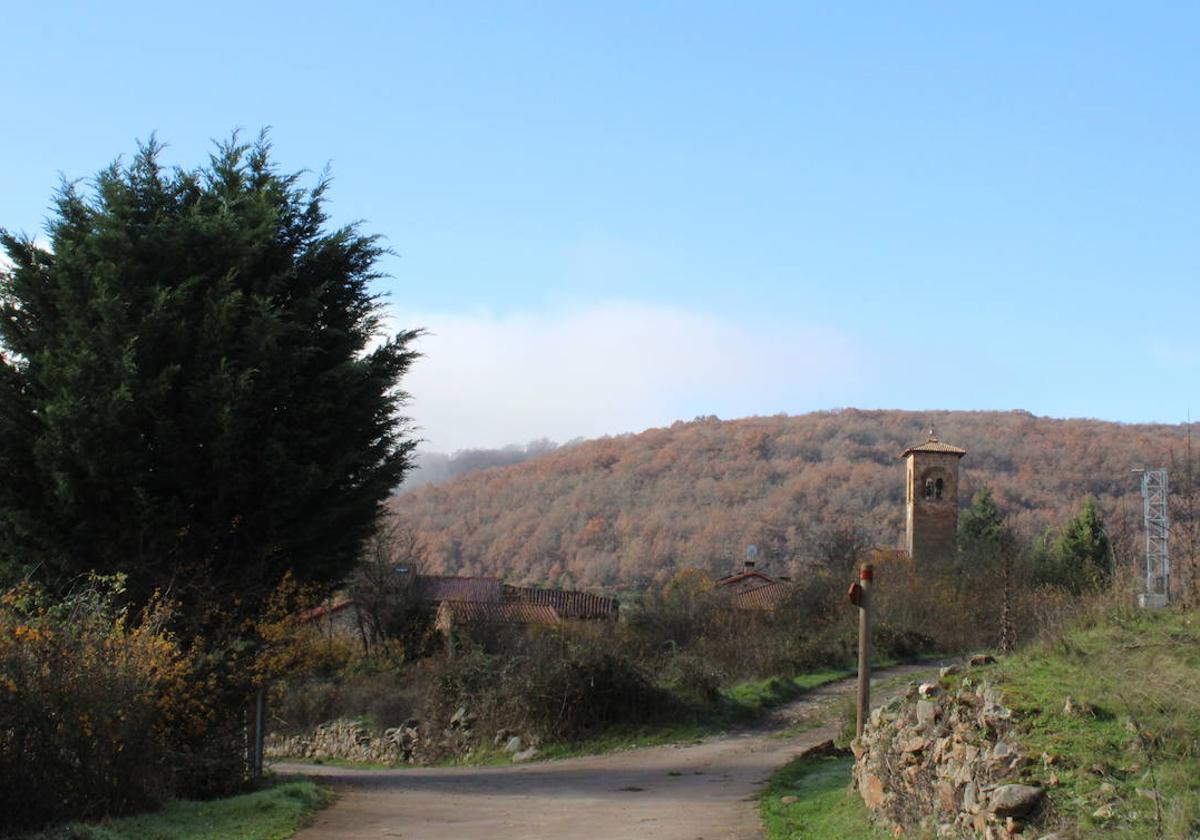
(703, 791)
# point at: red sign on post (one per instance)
(855, 594)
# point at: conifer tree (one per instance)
(987, 546)
(194, 387)
(1083, 551)
(981, 530)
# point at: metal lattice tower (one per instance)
(1158, 560)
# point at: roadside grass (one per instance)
(747, 700)
(272, 814)
(819, 802)
(1126, 763)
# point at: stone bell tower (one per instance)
(932, 508)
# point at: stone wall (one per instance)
(411, 743)
(349, 740)
(946, 762)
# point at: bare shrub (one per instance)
(383, 698)
(547, 686)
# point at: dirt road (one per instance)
(701, 791)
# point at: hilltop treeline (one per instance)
(434, 467)
(623, 511)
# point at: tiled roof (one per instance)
(750, 579)
(459, 613)
(567, 603)
(438, 588)
(330, 608)
(934, 445)
(765, 597)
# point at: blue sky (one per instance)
(615, 215)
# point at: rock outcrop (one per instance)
(946, 762)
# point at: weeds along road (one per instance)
(701, 791)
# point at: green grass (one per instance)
(750, 699)
(272, 814)
(1138, 671)
(824, 806)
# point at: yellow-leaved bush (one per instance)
(92, 702)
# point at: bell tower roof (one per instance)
(934, 445)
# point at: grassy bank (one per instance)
(1123, 759)
(811, 799)
(1120, 759)
(272, 814)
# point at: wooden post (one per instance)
(260, 722)
(864, 648)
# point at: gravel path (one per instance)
(703, 791)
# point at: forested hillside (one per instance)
(626, 510)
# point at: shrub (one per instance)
(89, 703)
(546, 686)
(385, 698)
(692, 678)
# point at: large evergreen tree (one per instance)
(194, 387)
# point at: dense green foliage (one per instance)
(981, 531)
(1081, 556)
(192, 386)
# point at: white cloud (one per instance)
(610, 367)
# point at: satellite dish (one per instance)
(751, 551)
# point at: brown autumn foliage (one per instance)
(625, 511)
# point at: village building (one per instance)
(461, 602)
(753, 590)
(931, 510)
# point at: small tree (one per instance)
(194, 387)
(987, 549)
(384, 589)
(1084, 548)
(1079, 557)
(981, 529)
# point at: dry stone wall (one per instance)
(947, 763)
(411, 743)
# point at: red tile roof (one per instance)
(325, 609)
(766, 597)
(459, 613)
(749, 579)
(934, 445)
(438, 588)
(567, 603)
